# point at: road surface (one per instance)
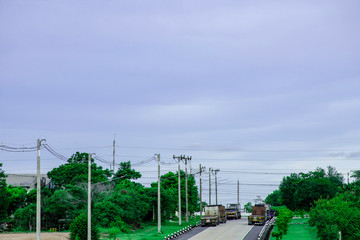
(231, 230)
(32, 236)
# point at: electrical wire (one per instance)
(17, 149)
(54, 153)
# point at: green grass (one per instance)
(149, 231)
(299, 231)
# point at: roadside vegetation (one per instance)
(148, 230)
(298, 229)
(120, 205)
(334, 207)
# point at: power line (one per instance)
(53, 152)
(241, 150)
(17, 149)
(234, 149)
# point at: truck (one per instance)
(211, 216)
(233, 211)
(260, 214)
(223, 216)
(214, 214)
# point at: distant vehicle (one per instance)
(211, 217)
(233, 211)
(223, 216)
(260, 214)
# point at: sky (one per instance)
(256, 89)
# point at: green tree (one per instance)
(25, 218)
(170, 181)
(17, 198)
(282, 222)
(75, 171)
(299, 191)
(125, 172)
(288, 187)
(274, 198)
(310, 190)
(128, 200)
(5, 198)
(356, 174)
(334, 176)
(169, 201)
(78, 229)
(248, 207)
(341, 213)
(61, 205)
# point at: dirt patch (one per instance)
(32, 236)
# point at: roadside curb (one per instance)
(181, 231)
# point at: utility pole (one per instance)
(179, 186)
(210, 186)
(89, 198)
(216, 200)
(186, 187)
(38, 192)
(201, 169)
(238, 192)
(159, 212)
(114, 155)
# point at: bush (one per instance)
(113, 233)
(282, 222)
(121, 225)
(341, 213)
(78, 229)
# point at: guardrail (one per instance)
(181, 231)
(266, 228)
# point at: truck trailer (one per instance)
(260, 214)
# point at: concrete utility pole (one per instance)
(210, 186)
(201, 169)
(238, 202)
(38, 192)
(159, 212)
(89, 198)
(216, 200)
(114, 154)
(179, 186)
(186, 187)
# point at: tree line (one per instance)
(117, 200)
(333, 206)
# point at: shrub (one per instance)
(282, 222)
(78, 229)
(121, 225)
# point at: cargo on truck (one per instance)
(233, 211)
(260, 214)
(223, 216)
(211, 216)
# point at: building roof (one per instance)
(24, 180)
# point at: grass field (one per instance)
(299, 229)
(149, 232)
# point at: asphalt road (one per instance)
(231, 230)
(254, 233)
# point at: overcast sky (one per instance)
(257, 89)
